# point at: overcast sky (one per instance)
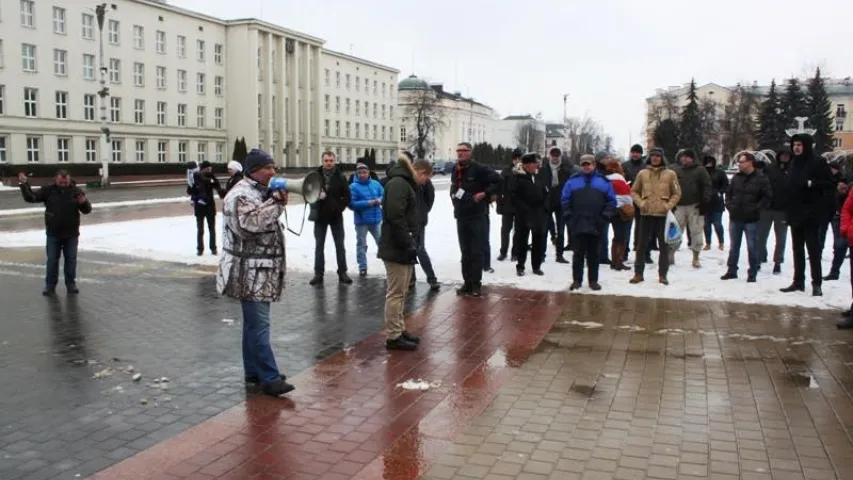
(521, 56)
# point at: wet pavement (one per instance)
(68, 403)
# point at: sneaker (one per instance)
(410, 338)
(277, 388)
(316, 281)
(344, 279)
(400, 343)
(362, 273)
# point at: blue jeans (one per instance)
(736, 231)
(67, 247)
(258, 359)
(715, 220)
(361, 232)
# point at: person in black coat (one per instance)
(717, 205)
(776, 215)
(473, 184)
(839, 195)
(204, 205)
(748, 195)
(506, 208)
(530, 196)
(63, 204)
(328, 214)
(554, 173)
(809, 180)
(425, 196)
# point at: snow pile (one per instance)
(172, 239)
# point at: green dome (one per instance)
(413, 83)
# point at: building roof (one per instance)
(834, 87)
(334, 53)
(519, 117)
(555, 130)
(412, 82)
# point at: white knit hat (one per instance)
(235, 165)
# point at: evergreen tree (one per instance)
(666, 137)
(373, 156)
(819, 111)
(235, 155)
(771, 121)
(793, 103)
(690, 129)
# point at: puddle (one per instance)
(804, 380)
(587, 325)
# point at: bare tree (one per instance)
(529, 137)
(738, 132)
(585, 135)
(424, 112)
(709, 115)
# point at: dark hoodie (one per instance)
(719, 185)
(777, 173)
(61, 209)
(811, 187)
(398, 240)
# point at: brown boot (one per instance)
(615, 261)
(636, 279)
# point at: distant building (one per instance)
(509, 132)
(557, 136)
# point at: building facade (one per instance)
(509, 130)
(462, 119)
(182, 86)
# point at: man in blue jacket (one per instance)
(588, 203)
(366, 204)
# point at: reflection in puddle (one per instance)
(804, 380)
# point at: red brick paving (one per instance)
(347, 419)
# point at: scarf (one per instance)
(555, 174)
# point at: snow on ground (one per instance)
(4, 188)
(173, 239)
(12, 212)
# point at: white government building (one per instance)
(183, 86)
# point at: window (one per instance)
(374, 87)
(138, 74)
(383, 111)
(383, 89)
(112, 32)
(326, 128)
(2, 99)
(182, 80)
(328, 77)
(337, 128)
(347, 129)
(161, 113)
(60, 60)
(326, 102)
(403, 137)
(217, 118)
(840, 110)
(89, 106)
(217, 54)
(91, 148)
(200, 114)
(217, 85)
(199, 50)
(199, 83)
(30, 102)
(62, 105)
(220, 153)
(162, 146)
(391, 112)
(836, 143)
(338, 79)
(182, 152)
(140, 150)
(161, 77)
(367, 109)
(374, 131)
(357, 84)
(116, 150)
(391, 133)
(62, 149)
(348, 106)
(2, 57)
(357, 108)
(28, 57)
(33, 149)
(59, 20)
(88, 67)
(3, 158)
(383, 132)
(839, 124)
(115, 109)
(337, 104)
(182, 46)
(357, 130)
(28, 8)
(160, 41)
(367, 131)
(374, 113)
(138, 37)
(182, 114)
(348, 81)
(201, 152)
(139, 111)
(115, 70)
(87, 25)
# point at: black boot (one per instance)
(729, 276)
(316, 281)
(344, 279)
(465, 289)
(817, 291)
(777, 269)
(501, 257)
(794, 287)
(833, 275)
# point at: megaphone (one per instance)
(308, 186)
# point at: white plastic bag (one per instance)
(672, 234)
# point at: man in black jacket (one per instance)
(204, 205)
(425, 196)
(775, 215)
(63, 202)
(809, 179)
(717, 205)
(328, 214)
(530, 197)
(398, 245)
(554, 173)
(748, 195)
(472, 185)
(632, 167)
(506, 207)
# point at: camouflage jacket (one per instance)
(253, 261)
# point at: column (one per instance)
(295, 121)
(317, 113)
(281, 123)
(269, 67)
(303, 103)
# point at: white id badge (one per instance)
(460, 193)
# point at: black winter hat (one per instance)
(687, 153)
(256, 159)
(529, 158)
(637, 148)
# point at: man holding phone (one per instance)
(63, 202)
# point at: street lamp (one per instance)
(103, 95)
(565, 123)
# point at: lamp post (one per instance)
(565, 123)
(103, 95)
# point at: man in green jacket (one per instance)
(398, 244)
(696, 191)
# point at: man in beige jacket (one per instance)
(656, 192)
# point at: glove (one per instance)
(412, 254)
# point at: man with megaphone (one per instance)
(252, 266)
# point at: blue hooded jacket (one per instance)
(588, 203)
(361, 192)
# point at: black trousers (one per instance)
(205, 213)
(806, 237)
(522, 244)
(585, 247)
(320, 229)
(507, 224)
(560, 226)
(651, 229)
(471, 232)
